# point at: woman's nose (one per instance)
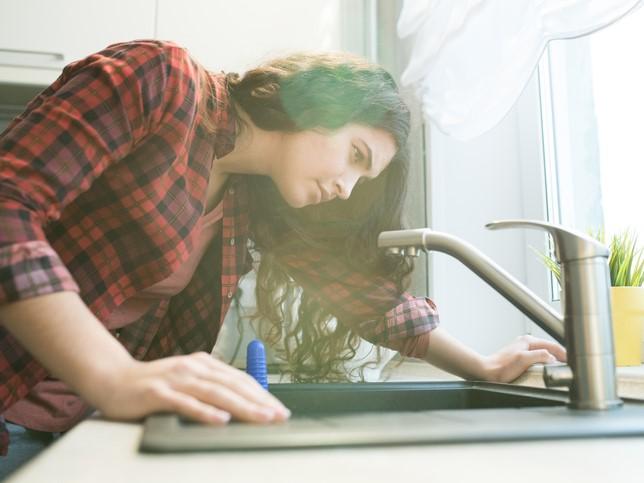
(341, 190)
(344, 185)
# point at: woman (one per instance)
(128, 191)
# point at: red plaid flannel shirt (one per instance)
(124, 123)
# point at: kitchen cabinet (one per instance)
(39, 37)
(233, 36)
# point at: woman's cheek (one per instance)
(292, 193)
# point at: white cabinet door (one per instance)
(46, 35)
(233, 36)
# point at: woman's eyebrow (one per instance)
(369, 156)
(370, 160)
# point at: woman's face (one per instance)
(318, 165)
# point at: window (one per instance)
(592, 105)
(592, 99)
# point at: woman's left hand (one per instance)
(514, 359)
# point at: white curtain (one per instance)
(472, 58)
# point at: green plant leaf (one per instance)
(626, 261)
(550, 263)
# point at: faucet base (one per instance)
(597, 406)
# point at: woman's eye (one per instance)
(358, 157)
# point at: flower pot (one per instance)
(628, 318)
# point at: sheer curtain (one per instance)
(472, 58)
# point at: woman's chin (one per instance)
(301, 201)
(297, 202)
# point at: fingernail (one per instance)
(220, 417)
(267, 413)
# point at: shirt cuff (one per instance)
(405, 327)
(30, 269)
(414, 316)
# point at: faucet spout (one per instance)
(585, 329)
(495, 276)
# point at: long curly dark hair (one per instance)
(296, 93)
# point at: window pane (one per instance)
(592, 92)
(618, 86)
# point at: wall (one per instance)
(495, 176)
(234, 36)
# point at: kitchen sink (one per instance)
(396, 413)
(306, 400)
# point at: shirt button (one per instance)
(232, 242)
(231, 191)
(229, 294)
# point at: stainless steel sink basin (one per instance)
(315, 400)
(332, 415)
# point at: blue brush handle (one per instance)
(256, 362)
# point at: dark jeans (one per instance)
(24, 444)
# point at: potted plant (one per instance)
(626, 265)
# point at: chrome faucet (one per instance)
(585, 329)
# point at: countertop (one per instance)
(630, 380)
(97, 451)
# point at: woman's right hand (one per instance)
(196, 386)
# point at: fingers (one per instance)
(249, 389)
(242, 384)
(225, 399)
(526, 350)
(556, 349)
(175, 401)
(227, 388)
(539, 356)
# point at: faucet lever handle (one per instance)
(569, 244)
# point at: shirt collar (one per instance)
(224, 116)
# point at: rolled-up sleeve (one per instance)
(91, 117)
(372, 306)
(405, 328)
